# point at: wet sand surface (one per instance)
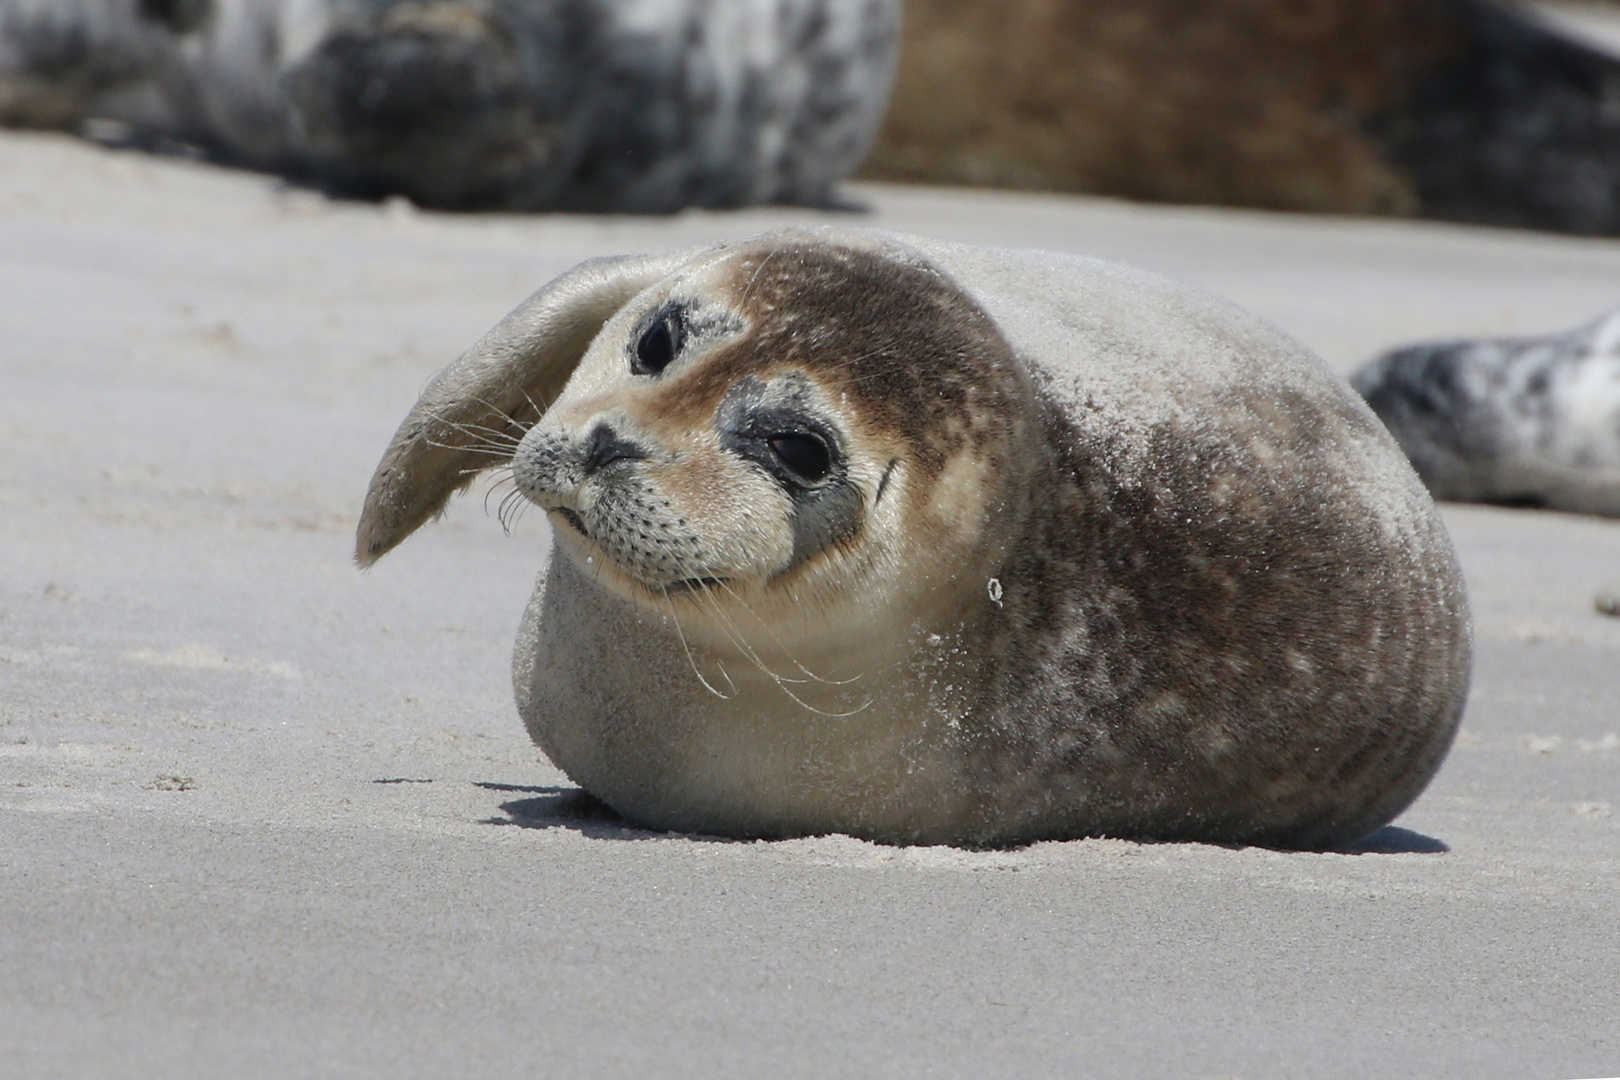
(264, 815)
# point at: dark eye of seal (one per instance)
(659, 343)
(804, 455)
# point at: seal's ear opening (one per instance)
(492, 393)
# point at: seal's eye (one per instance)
(659, 343)
(805, 455)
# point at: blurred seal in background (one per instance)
(1522, 421)
(590, 105)
(1457, 109)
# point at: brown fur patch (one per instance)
(1223, 649)
(913, 354)
(1241, 102)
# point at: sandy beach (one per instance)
(262, 814)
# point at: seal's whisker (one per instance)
(506, 514)
(482, 431)
(775, 637)
(862, 707)
(518, 506)
(690, 659)
(495, 486)
(886, 347)
(501, 442)
(495, 439)
(498, 411)
(720, 664)
(702, 593)
(539, 410)
(505, 434)
(736, 638)
(879, 374)
(748, 290)
(783, 683)
(492, 449)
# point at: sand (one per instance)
(264, 815)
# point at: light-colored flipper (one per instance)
(495, 389)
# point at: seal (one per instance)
(1465, 110)
(1531, 421)
(928, 543)
(601, 105)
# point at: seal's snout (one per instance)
(549, 468)
(553, 467)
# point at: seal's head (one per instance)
(770, 423)
(766, 426)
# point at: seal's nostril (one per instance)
(604, 447)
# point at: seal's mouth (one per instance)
(683, 587)
(691, 585)
(575, 520)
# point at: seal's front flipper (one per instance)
(490, 395)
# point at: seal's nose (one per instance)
(551, 467)
(605, 446)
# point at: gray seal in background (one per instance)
(929, 543)
(1532, 421)
(588, 105)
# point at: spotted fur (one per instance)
(605, 105)
(1522, 421)
(1092, 554)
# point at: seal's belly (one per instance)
(650, 725)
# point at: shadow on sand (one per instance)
(574, 808)
(1394, 840)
